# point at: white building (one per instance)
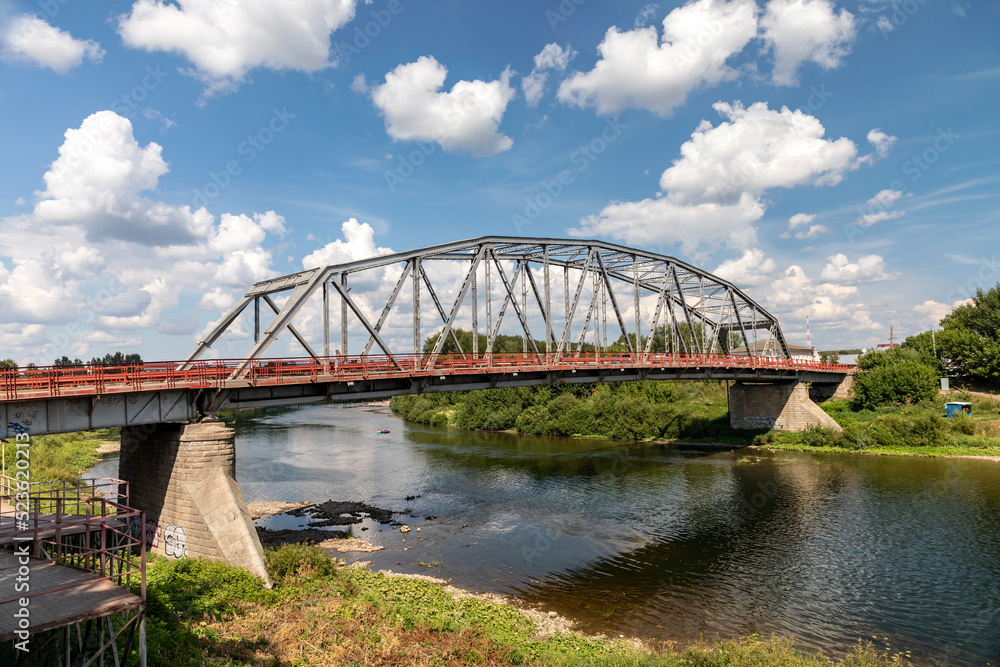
(764, 348)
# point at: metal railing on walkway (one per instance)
(81, 552)
(95, 380)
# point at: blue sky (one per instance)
(837, 160)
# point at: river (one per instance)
(663, 543)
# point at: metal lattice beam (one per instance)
(673, 295)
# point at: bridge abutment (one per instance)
(782, 406)
(183, 476)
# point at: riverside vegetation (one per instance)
(63, 456)
(203, 612)
(896, 408)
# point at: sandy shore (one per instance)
(109, 446)
(272, 507)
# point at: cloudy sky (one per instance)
(837, 159)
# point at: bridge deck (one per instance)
(96, 380)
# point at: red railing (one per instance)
(107, 535)
(89, 380)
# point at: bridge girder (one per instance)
(693, 308)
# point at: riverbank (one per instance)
(320, 613)
(904, 430)
(64, 456)
(696, 414)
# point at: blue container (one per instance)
(957, 409)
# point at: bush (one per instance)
(292, 560)
(501, 420)
(536, 420)
(490, 409)
(855, 437)
(915, 430)
(439, 418)
(907, 381)
(818, 437)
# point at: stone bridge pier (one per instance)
(183, 476)
(783, 406)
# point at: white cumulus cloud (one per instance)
(464, 119)
(753, 268)
(799, 31)
(881, 142)
(878, 208)
(552, 57)
(358, 243)
(29, 39)
(96, 255)
(794, 296)
(225, 39)
(757, 148)
(868, 269)
(640, 69)
(95, 185)
(933, 311)
(713, 193)
(799, 226)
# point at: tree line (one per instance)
(665, 340)
(110, 359)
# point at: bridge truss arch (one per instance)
(555, 293)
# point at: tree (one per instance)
(970, 339)
(926, 346)
(502, 345)
(118, 358)
(895, 376)
(8, 363)
(829, 357)
(66, 361)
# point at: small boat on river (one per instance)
(381, 431)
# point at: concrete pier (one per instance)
(183, 476)
(781, 406)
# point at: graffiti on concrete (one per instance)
(174, 541)
(13, 428)
(762, 423)
(150, 533)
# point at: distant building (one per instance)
(882, 347)
(763, 348)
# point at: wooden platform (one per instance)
(52, 603)
(71, 524)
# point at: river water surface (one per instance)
(663, 543)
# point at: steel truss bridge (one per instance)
(558, 296)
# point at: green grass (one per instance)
(904, 430)
(202, 612)
(57, 457)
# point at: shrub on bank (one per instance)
(893, 377)
(625, 410)
(892, 430)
